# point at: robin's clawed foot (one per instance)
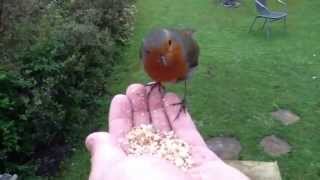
(183, 107)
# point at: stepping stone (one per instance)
(285, 116)
(275, 146)
(227, 148)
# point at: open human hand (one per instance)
(110, 161)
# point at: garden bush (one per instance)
(53, 75)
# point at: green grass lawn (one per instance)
(241, 78)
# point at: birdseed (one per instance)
(145, 139)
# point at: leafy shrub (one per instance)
(115, 15)
(51, 85)
(12, 120)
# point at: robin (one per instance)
(170, 55)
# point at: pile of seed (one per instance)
(145, 139)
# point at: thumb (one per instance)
(104, 151)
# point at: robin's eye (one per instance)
(170, 42)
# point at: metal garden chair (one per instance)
(269, 16)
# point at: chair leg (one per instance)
(254, 21)
(264, 24)
(268, 28)
(285, 24)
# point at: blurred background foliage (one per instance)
(55, 58)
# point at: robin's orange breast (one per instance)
(175, 69)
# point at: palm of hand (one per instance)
(109, 160)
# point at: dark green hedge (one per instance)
(53, 74)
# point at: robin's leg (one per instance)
(153, 85)
(183, 103)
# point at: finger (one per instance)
(137, 96)
(183, 126)
(158, 114)
(120, 117)
(104, 153)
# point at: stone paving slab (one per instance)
(257, 170)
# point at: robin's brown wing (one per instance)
(191, 48)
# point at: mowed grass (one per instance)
(241, 78)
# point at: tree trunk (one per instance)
(1, 16)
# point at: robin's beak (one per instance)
(163, 60)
